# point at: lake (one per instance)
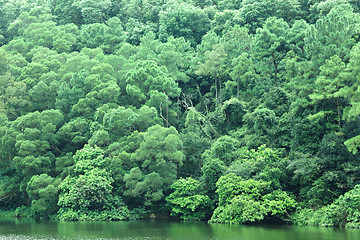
(26, 229)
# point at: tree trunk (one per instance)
(216, 90)
(167, 115)
(238, 88)
(220, 90)
(275, 69)
(338, 112)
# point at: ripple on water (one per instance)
(23, 237)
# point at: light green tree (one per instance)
(243, 201)
(94, 11)
(88, 194)
(181, 19)
(333, 34)
(327, 94)
(214, 66)
(186, 201)
(351, 92)
(159, 158)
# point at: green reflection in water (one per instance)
(29, 229)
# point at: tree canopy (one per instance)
(233, 111)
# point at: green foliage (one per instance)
(242, 201)
(332, 34)
(87, 194)
(74, 134)
(10, 193)
(343, 212)
(253, 13)
(261, 127)
(66, 11)
(214, 66)
(150, 84)
(329, 82)
(122, 121)
(43, 193)
(7, 213)
(147, 102)
(261, 164)
(353, 144)
(212, 170)
(158, 159)
(22, 211)
(350, 92)
(186, 201)
(180, 19)
(326, 176)
(147, 188)
(243, 74)
(160, 146)
(33, 138)
(107, 35)
(94, 11)
(271, 45)
(224, 148)
(194, 145)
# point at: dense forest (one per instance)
(232, 111)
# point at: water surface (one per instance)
(29, 229)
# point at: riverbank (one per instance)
(7, 213)
(27, 229)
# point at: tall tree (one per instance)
(326, 96)
(271, 46)
(333, 34)
(214, 66)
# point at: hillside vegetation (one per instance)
(233, 111)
